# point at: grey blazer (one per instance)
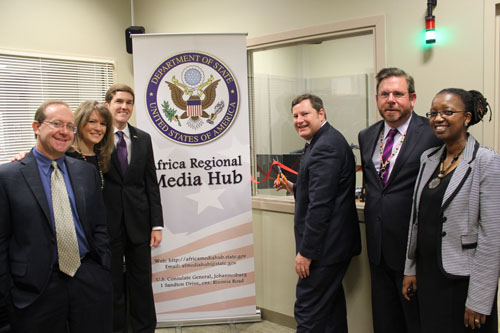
(470, 214)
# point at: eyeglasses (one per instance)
(395, 94)
(60, 125)
(444, 113)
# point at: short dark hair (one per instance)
(116, 88)
(393, 71)
(316, 102)
(474, 102)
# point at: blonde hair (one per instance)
(105, 147)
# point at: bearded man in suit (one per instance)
(390, 157)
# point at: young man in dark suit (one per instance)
(134, 213)
(390, 157)
(326, 223)
(54, 280)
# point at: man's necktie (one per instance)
(306, 146)
(67, 244)
(121, 149)
(304, 151)
(387, 154)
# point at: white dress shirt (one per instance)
(397, 143)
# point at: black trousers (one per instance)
(320, 305)
(4, 317)
(78, 304)
(134, 283)
(391, 312)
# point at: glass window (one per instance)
(338, 69)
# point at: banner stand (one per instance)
(192, 98)
(212, 321)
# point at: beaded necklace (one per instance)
(98, 167)
(442, 170)
(383, 165)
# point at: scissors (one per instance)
(281, 179)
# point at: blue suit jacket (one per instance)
(27, 238)
(326, 221)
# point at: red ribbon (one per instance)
(284, 167)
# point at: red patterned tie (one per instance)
(387, 153)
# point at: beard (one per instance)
(395, 115)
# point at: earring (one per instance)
(466, 124)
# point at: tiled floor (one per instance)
(260, 327)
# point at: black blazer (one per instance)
(326, 222)
(134, 198)
(27, 239)
(388, 208)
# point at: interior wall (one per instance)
(82, 28)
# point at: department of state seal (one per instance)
(192, 98)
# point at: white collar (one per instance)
(126, 131)
(401, 128)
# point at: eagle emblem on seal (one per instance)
(193, 96)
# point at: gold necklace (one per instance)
(442, 170)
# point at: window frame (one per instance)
(374, 24)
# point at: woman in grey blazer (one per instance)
(453, 253)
